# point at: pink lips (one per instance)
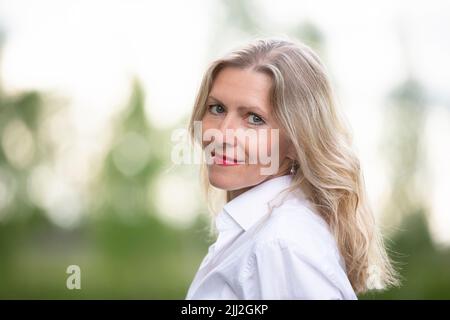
(224, 161)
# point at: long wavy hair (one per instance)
(329, 172)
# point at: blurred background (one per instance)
(92, 91)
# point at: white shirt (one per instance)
(290, 254)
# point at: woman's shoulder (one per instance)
(294, 255)
(298, 225)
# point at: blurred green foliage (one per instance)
(424, 267)
(122, 248)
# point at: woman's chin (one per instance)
(231, 180)
(224, 181)
(220, 183)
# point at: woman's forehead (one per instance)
(242, 87)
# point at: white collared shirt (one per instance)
(290, 254)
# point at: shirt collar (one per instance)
(248, 207)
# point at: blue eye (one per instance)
(255, 119)
(216, 109)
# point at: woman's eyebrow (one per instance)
(217, 100)
(251, 108)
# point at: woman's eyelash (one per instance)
(215, 105)
(262, 121)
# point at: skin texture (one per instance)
(239, 99)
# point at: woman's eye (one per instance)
(255, 119)
(216, 109)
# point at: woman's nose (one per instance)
(228, 127)
(230, 122)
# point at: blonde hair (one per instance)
(330, 173)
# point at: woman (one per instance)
(302, 229)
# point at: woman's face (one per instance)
(241, 139)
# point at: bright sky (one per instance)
(88, 50)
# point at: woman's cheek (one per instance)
(207, 124)
(260, 149)
(266, 143)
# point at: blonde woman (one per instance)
(301, 229)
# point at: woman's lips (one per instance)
(224, 161)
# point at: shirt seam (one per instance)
(282, 245)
